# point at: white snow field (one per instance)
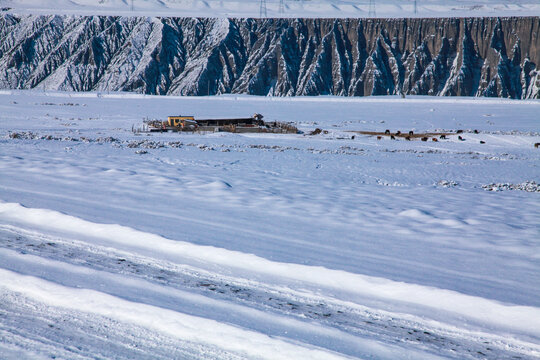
(278, 8)
(117, 245)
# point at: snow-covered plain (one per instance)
(290, 8)
(123, 245)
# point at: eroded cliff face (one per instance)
(495, 57)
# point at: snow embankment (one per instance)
(522, 319)
(188, 328)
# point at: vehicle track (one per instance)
(351, 318)
(27, 325)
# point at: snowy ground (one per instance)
(290, 8)
(228, 246)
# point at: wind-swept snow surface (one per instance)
(121, 245)
(290, 8)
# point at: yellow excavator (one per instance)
(181, 122)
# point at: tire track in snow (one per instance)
(518, 318)
(227, 338)
(31, 329)
(345, 316)
(179, 216)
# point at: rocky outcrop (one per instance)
(496, 57)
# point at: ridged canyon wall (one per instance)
(495, 57)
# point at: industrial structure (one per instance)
(182, 123)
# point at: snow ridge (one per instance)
(517, 318)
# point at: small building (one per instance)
(243, 122)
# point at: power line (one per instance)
(262, 9)
(371, 12)
(281, 6)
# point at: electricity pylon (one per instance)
(281, 6)
(262, 9)
(371, 12)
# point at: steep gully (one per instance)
(492, 57)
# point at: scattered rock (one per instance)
(528, 186)
(108, 139)
(447, 183)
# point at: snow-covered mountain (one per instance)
(279, 57)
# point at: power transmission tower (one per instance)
(415, 8)
(372, 12)
(131, 5)
(262, 9)
(281, 6)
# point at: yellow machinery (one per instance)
(180, 121)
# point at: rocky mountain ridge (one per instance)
(495, 57)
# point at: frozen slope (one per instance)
(119, 245)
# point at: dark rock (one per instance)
(280, 57)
